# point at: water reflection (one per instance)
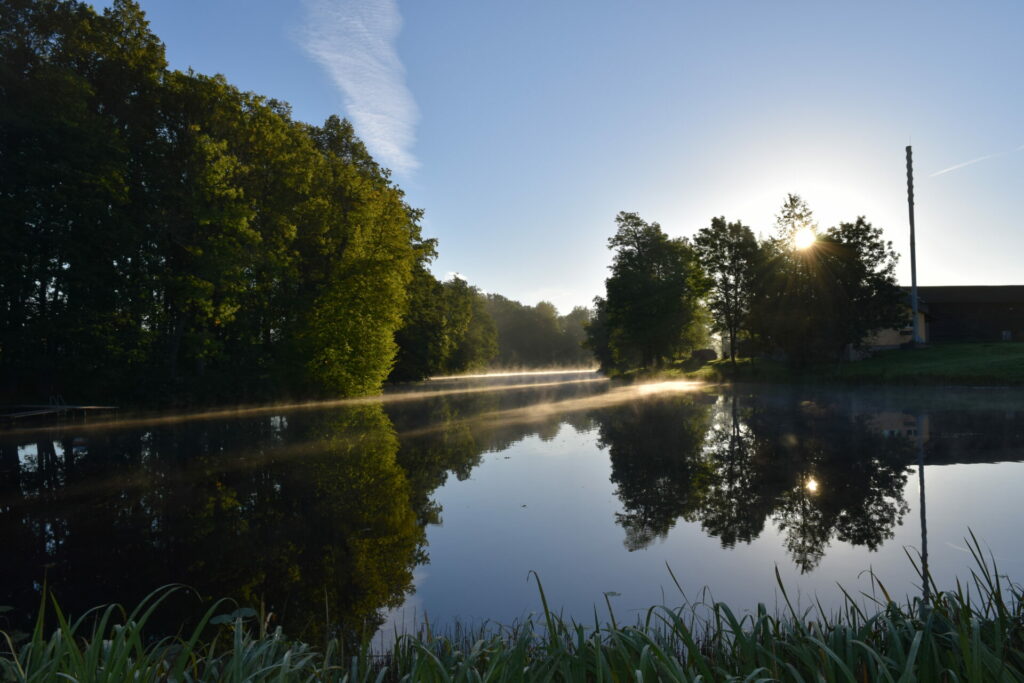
(322, 516)
(319, 516)
(733, 463)
(654, 444)
(308, 515)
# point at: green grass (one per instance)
(977, 364)
(974, 632)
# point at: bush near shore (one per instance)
(974, 632)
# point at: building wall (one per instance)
(892, 338)
(976, 321)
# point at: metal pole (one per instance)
(913, 247)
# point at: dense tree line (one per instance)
(801, 294)
(814, 302)
(453, 328)
(165, 225)
(166, 235)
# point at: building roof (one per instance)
(971, 294)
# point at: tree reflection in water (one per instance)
(318, 516)
(308, 515)
(321, 516)
(816, 472)
(654, 444)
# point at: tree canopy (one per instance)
(802, 293)
(814, 303)
(164, 233)
(652, 308)
(730, 254)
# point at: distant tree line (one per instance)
(453, 328)
(801, 294)
(537, 336)
(446, 329)
(166, 235)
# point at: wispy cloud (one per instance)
(355, 41)
(975, 161)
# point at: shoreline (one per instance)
(982, 364)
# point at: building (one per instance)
(893, 338)
(973, 313)
(961, 314)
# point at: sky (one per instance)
(523, 127)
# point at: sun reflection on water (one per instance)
(668, 387)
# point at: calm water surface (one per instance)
(441, 501)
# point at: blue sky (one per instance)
(522, 127)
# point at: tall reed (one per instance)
(973, 632)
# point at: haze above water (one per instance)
(343, 517)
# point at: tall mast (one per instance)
(913, 247)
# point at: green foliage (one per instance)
(573, 327)
(167, 234)
(652, 309)
(423, 340)
(599, 339)
(730, 254)
(478, 342)
(76, 108)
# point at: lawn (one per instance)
(986, 364)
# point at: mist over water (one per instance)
(394, 394)
(439, 498)
(508, 374)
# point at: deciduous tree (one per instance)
(729, 254)
(652, 307)
(817, 301)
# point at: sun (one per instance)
(803, 238)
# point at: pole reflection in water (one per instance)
(925, 576)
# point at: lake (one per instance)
(448, 498)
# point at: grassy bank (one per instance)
(972, 633)
(980, 364)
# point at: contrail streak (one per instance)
(354, 40)
(966, 163)
(975, 161)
